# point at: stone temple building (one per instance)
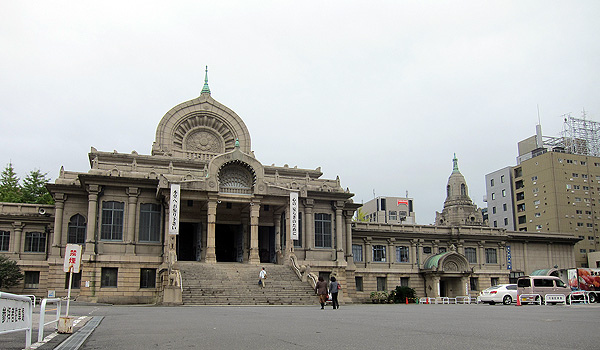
(235, 217)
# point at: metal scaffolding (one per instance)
(581, 136)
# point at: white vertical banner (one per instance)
(294, 215)
(174, 209)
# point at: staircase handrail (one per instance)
(303, 271)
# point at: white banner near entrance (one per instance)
(174, 209)
(294, 215)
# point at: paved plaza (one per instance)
(352, 326)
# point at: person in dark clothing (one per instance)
(333, 289)
(321, 291)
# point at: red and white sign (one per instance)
(72, 258)
(402, 201)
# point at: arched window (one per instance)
(448, 191)
(236, 177)
(76, 229)
(463, 190)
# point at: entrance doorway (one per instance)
(188, 242)
(266, 244)
(229, 243)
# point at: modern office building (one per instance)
(499, 198)
(556, 185)
(392, 210)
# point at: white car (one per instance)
(503, 293)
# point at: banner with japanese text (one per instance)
(294, 215)
(174, 209)
(72, 258)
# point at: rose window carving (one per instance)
(203, 141)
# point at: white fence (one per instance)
(43, 316)
(16, 315)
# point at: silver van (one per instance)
(541, 285)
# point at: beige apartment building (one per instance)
(559, 192)
(236, 213)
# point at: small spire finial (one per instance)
(237, 143)
(205, 88)
(455, 164)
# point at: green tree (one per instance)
(10, 273)
(360, 216)
(34, 188)
(10, 190)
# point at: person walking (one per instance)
(334, 288)
(263, 276)
(321, 291)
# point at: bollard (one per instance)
(406, 300)
(518, 300)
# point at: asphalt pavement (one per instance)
(365, 326)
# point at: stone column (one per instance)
(211, 256)
(245, 218)
(18, 244)
(413, 253)
(391, 251)
(254, 216)
(59, 203)
(310, 231)
(133, 193)
(339, 248)
(525, 259)
(90, 238)
(419, 253)
(349, 256)
(481, 253)
(368, 250)
(501, 255)
(277, 223)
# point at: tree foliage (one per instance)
(10, 190)
(10, 273)
(32, 191)
(360, 216)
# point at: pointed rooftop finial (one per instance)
(205, 89)
(455, 164)
(237, 143)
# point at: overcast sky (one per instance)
(381, 93)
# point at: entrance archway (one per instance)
(229, 243)
(188, 242)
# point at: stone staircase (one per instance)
(237, 284)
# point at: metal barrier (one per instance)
(17, 315)
(43, 316)
(584, 297)
(530, 298)
(463, 299)
(555, 299)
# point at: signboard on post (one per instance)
(72, 258)
(16, 315)
(174, 209)
(508, 258)
(294, 215)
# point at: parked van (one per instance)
(541, 285)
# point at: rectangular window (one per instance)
(109, 276)
(358, 280)
(576, 187)
(442, 249)
(495, 223)
(505, 221)
(514, 275)
(575, 175)
(402, 254)
(393, 215)
(323, 230)
(502, 178)
(76, 284)
(474, 283)
(536, 202)
(520, 196)
(381, 283)
(379, 253)
(535, 190)
(582, 251)
(534, 178)
(494, 281)
(32, 279)
(148, 278)
(4, 241)
(491, 256)
(426, 250)
(493, 196)
(537, 215)
(504, 206)
(493, 210)
(503, 193)
(492, 182)
(538, 227)
(357, 252)
(568, 186)
(150, 222)
(403, 281)
(35, 242)
(471, 255)
(522, 219)
(584, 176)
(578, 212)
(112, 221)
